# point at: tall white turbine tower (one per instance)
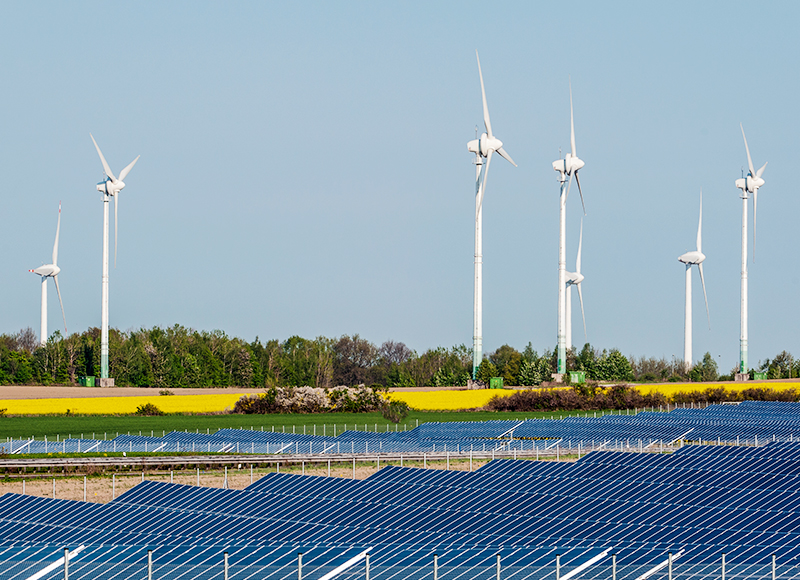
(568, 166)
(50, 271)
(691, 259)
(575, 279)
(748, 184)
(109, 187)
(484, 147)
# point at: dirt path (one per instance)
(67, 392)
(102, 489)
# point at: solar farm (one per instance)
(750, 422)
(726, 508)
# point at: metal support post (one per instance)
(498, 566)
(773, 567)
(435, 567)
(613, 567)
(299, 565)
(669, 566)
(66, 563)
(723, 566)
(366, 567)
(225, 561)
(558, 566)
(149, 564)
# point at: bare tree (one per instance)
(26, 340)
(392, 352)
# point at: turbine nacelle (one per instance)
(749, 183)
(574, 278)
(692, 258)
(110, 187)
(46, 270)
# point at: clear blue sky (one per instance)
(304, 167)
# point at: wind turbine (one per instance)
(483, 147)
(691, 259)
(50, 271)
(748, 184)
(109, 187)
(574, 279)
(568, 166)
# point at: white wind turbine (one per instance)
(568, 166)
(574, 279)
(484, 147)
(109, 187)
(50, 271)
(748, 184)
(694, 258)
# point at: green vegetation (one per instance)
(167, 358)
(100, 426)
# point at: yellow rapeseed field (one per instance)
(670, 389)
(448, 400)
(119, 405)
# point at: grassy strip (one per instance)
(108, 426)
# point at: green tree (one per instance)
(704, 371)
(507, 359)
(486, 371)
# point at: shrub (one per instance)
(395, 411)
(148, 410)
(358, 399)
(578, 398)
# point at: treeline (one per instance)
(182, 357)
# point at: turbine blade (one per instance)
(703, 282)
(64, 316)
(571, 121)
(124, 173)
(116, 225)
(483, 184)
(569, 186)
(578, 179)
(58, 230)
(103, 159)
(583, 314)
(700, 225)
(506, 156)
(749, 160)
(755, 215)
(760, 171)
(486, 120)
(580, 246)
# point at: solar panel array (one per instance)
(749, 422)
(696, 503)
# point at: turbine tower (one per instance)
(50, 271)
(109, 187)
(748, 184)
(574, 279)
(483, 147)
(568, 166)
(691, 259)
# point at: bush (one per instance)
(149, 410)
(360, 399)
(578, 398)
(395, 411)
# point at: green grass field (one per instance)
(108, 426)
